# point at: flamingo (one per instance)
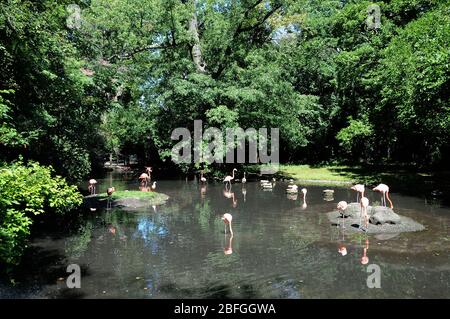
(91, 187)
(202, 179)
(109, 192)
(144, 177)
(154, 186)
(304, 191)
(244, 180)
(227, 218)
(359, 189)
(229, 178)
(364, 205)
(342, 206)
(149, 171)
(384, 189)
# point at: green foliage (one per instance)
(8, 134)
(53, 105)
(26, 191)
(128, 76)
(355, 133)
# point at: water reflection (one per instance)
(228, 250)
(181, 249)
(365, 258)
(150, 232)
(230, 195)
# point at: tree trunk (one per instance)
(196, 50)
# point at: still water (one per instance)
(281, 248)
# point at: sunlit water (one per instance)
(280, 249)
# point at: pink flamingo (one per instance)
(109, 192)
(91, 187)
(364, 205)
(202, 179)
(149, 171)
(229, 178)
(359, 189)
(227, 218)
(144, 179)
(384, 189)
(342, 206)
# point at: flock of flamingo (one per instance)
(144, 180)
(293, 189)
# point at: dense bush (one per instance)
(26, 191)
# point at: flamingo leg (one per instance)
(343, 220)
(360, 218)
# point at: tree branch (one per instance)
(240, 30)
(130, 54)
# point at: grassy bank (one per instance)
(323, 174)
(391, 175)
(130, 194)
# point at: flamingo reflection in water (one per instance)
(227, 219)
(230, 195)
(228, 250)
(365, 258)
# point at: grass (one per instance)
(130, 194)
(337, 174)
(408, 180)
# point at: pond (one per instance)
(280, 248)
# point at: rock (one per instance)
(353, 210)
(385, 221)
(380, 215)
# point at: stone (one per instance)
(380, 215)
